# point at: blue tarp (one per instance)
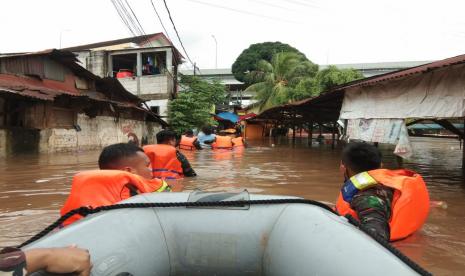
(228, 116)
(432, 126)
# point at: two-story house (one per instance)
(147, 66)
(49, 103)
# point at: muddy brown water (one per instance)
(33, 188)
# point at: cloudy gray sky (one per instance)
(327, 31)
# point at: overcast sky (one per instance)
(327, 31)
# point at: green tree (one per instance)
(249, 58)
(332, 76)
(192, 108)
(284, 79)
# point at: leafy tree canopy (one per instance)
(291, 77)
(249, 58)
(284, 79)
(332, 76)
(192, 108)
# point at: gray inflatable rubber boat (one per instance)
(271, 239)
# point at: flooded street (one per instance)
(33, 188)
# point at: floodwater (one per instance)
(32, 188)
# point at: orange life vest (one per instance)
(238, 142)
(106, 187)
(165, 163)
(410, 204)
(223, 142)
(187, 143)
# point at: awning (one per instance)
(227, 116)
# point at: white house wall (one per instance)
(96, 133)
(162, 104)
(436, 94)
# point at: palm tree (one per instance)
(281, 80)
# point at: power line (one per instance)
(129, 18)
(271, 5)
(147, 40)
(122, 17)
(137, 19)
(166, 32)
(159, 19)
(302, 4)
(243, 11)
(177, 34)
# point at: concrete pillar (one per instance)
(139, 64)
(110, 67)
(139, 71)
(169, 60)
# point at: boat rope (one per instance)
(85, 211)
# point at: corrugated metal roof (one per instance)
(110, 89)
(33, 87)
(134, 39)
(330, 101)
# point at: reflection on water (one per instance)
(33, 188)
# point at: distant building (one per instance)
(237, 95)
(49, 103)
(378, 68)
(147, 66)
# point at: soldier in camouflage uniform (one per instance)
(372, 205)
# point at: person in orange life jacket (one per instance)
(372, 205)
(389, 203)
(238, 141)
(124, 172)
(223, 140)
(167, 162)
(189, 141)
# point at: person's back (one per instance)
(124, 171)
(223, 142)
(106, 187)
(189, 141)
(206, 137)
(167, 162)
(238, 142)
(390, 203)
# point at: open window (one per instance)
(153, 63)
(155, 109)
(124, 65)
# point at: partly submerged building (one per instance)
(49, 103)
(146, 66)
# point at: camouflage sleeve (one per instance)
(12, 262)
(373, 207)
(187, 170)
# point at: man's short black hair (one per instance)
(189, 132)
(165, 135)
(360, 157)
(112, 155)
(207, 130)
